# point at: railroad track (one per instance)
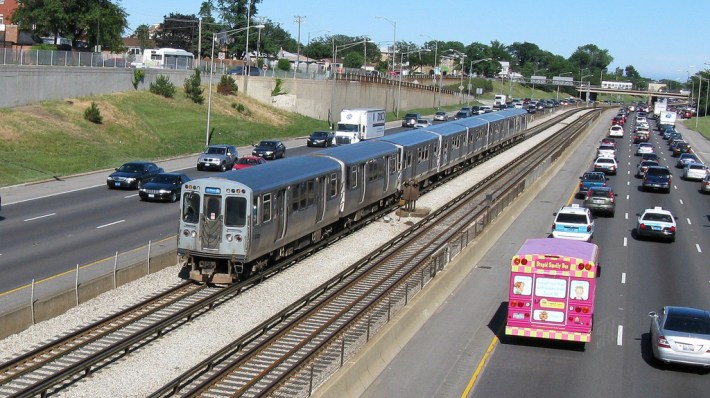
(291, 353)
(59, 364)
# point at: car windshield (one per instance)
(248, 161)
(696, 166)
(687, 324)
(658, 171)
(594, 177)
(571, 218)
(410, 116)
(657, 217)
(170, 179)
(216, 151)
(319, 134)
(422, 121)
(131, 168)
(441, 113)
(605, 160)
(600, 193)
(267, 144)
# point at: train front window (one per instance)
(235, 212)
(213, 208)
(190, 207)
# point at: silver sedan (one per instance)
(681, 335)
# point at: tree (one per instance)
(353, 60)
(142, 34)
(178, 31)
(193, 88)
(526, 53)
(100, 21)
(591, 57)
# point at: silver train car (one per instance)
(241, 221)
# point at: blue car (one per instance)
(591, 179)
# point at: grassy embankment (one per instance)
(51, 139)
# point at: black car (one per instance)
(461, 115)
(164, 187)
(531, 109)
(321, 138)
(133, 175)
(270, 149)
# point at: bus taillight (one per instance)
(580, 266)
(588, 267)
(585, 310)
(524, 261)
(516, 261)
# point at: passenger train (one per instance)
(242, 221)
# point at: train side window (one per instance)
(353, 177)
(190, 206)
(235, 211)
(295, 195)
(333, 184)
(266, 208)
(311, 193)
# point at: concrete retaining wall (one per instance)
(23, 85)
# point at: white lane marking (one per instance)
(697, 247)
(626, 216)
(130, 196)
(689, 223)
(628, 164)
(628, 183)
(675, 187)
(620, 335)
(681, 201)
(38, 217)
(623, 278)
(627, 196)
(109, 224)
(625, 241)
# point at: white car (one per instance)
(422, 123)
(606, 151)
(606, 165)
(616, 131)
(573, 222)
(695, 171)
(656, 223)
(644, 147)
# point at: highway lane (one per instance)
(637, 276)
(51, 234)
(54, 231)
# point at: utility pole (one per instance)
(298, 19)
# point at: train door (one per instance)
(212, 221)
(363, 181)
(280, 214)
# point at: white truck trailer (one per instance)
(360, 124)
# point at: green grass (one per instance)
(51, 139)
(703, 125)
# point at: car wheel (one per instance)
(173, 197)
(308, 144)
(223, 167)
(200, 167)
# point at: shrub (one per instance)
(227, 86)
(193, 88)
(283, 64)
(241, 108)
(93, 114)
(278, 89)
(138, 77)
(163, 86)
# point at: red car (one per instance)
(248, 161)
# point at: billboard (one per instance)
(538, 79)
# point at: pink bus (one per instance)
(551, 292)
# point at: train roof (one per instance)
(454, 126)
(361, 151)
(409, 137)
(505, 113)
(278, 173)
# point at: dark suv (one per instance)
(410, 119)
(657, 177)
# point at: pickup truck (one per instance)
(410, 119)
(591, 179)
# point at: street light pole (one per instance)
(394, 39)
(298, 19)
(470, 69)
(223, 35)
(533, 81)
(401, 72)
(581, 81)
(558, 84)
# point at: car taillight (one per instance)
(581, 185)
(662, 342)
(589, 228)
(642, 226)
(554, 226)
(672, 229)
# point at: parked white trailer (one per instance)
(360, 124)
(659, 107)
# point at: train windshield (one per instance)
(190, 207)
(235, 212)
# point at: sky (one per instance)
(662, 39)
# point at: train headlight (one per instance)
(228, 237)
(187, 233)
(238, 238)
